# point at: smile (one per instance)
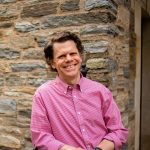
(70, 67)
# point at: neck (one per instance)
(71, 81)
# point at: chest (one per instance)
(75, 107)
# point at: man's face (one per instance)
(66, 60)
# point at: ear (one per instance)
(82, 57)
(53, 65)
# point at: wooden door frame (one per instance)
(137, 92)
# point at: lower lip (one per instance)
(70, 68)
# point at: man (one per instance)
(72, 112)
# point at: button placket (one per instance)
(88, 146)
(83, 130)
(79, 115)
(74, 96)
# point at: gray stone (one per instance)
(39, 9)
(126, 72)
(70, 5)
(100, 29)
(5, 68)
(26, 26)
(96, 63)
(78, 19)
(33, 54)
(1, 82)
(6, 24)
(23, 42)
(28, 135)
(1, 35)
(40, 74)
(98, 77)
(7, 13)
(18, 92)
(28, 145)
(1, 75)
(15, 80)
(41, 40)
(18, 67)
(101, 63)
(9, 141)
(98, 71)
(7, 53)
(96, 47)
(7, 1)
(24, 103)
(23, 122)
(10, 130)
(25, 113)
(112, 65)
(6, 33)
(1, 91)
(5, 120)
(36, 81)
(108, 4)
(37, 1)
(7, 106)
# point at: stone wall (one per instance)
(25, 27)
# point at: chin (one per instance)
(71, 74)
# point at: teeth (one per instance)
(70, 67)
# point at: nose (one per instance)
(68, 57)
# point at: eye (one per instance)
(61, 57)
(73, 53)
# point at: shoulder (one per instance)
(44, 87)
(97, 89)
(94, 85)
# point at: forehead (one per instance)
(64, 45)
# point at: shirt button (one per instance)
(70, 87)
(78, 113)
(88, 146)
(83, 130)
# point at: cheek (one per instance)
(56, 66)
(79, 59)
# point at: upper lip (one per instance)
(65, 66)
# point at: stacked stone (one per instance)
(25, 27)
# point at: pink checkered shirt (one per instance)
(81, 116)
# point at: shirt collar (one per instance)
(64, 86)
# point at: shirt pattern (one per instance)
(81, 115)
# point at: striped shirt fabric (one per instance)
(81, 116)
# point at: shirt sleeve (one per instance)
(117, 133)
(40, 127)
